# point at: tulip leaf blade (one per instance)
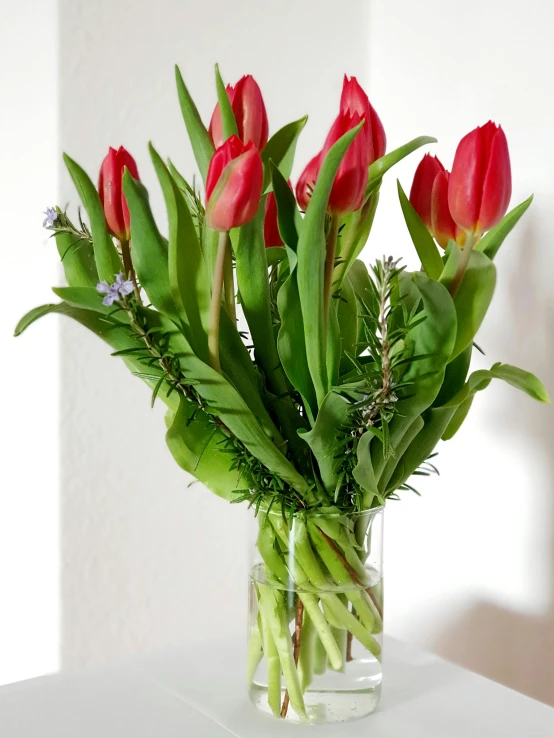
(108, 263)
(253, 285)
(311, 264)
(281, 148)
(200, 140)
(323, 437)
(521, 380)
(150, 257)
(228, 121)
(77, 257)
(287, 211)
(195, 445)
(364, 472)
(379, 167)
(188, 277)
(493, 240)
(423, 241)
(473, 299)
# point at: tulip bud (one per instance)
(306, 182)
(355, 100)
(480, 184)
(111, 191)
(348, 191)
(422, 186)
(233, 185)
(250, 113)
(272, 237)
(443, 227)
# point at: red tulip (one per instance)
(111, 191)
(306, 182)
(272, 237)
(420, 194)
(233, 185)
(250, 113)
(443, 227)
(480, 185)
(348, 191)
(354, 100)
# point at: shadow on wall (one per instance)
(511, 647)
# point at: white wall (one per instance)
(470, 565)
(29, 369)
(147, 561)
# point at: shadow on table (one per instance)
(509, 647)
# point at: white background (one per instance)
(147, 561)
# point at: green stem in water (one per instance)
(275, 613)
(255, 645)
(330, 267)
(215, 305)
(306, 656)
(471, 240)
(273, 665)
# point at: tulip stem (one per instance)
(471, 240)
(330, 267)
(229, 285)
(128, 266)
(215, 306)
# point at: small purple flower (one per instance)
(125, 286)
(120, 288)
(51, 216)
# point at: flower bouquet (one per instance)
(340, 381)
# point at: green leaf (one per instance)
(520, 379)
(423, 241)
(281, 148)
(196, 447)
(88, 298)
(77, 257)
(201, 142)
(434, 339)
(454, 377)
(421, 447)
(452, 256)
(311, 264)
(229, 405)
(106, 257)
(322, 439)
(188, 277)
(287, 211)
(253, 285)
(364, 473)
(228, 122)
(275, 254)
(382, 165)
(460, 414)
(403, 445)
(347, 314)
(354, 235)
(473, 299)
(493, 240)
(149, 248)
(291, 342)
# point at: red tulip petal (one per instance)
(497, 185)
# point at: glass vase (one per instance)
(316, 615)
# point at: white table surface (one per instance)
(201, 694)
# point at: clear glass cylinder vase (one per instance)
(316, 614)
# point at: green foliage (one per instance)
(108, 263)
(423, 241)
(228, 122)
(311, 263)
(473, 299)
(281, 147)
(201, 142)
(334, 412)
(493, 240)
